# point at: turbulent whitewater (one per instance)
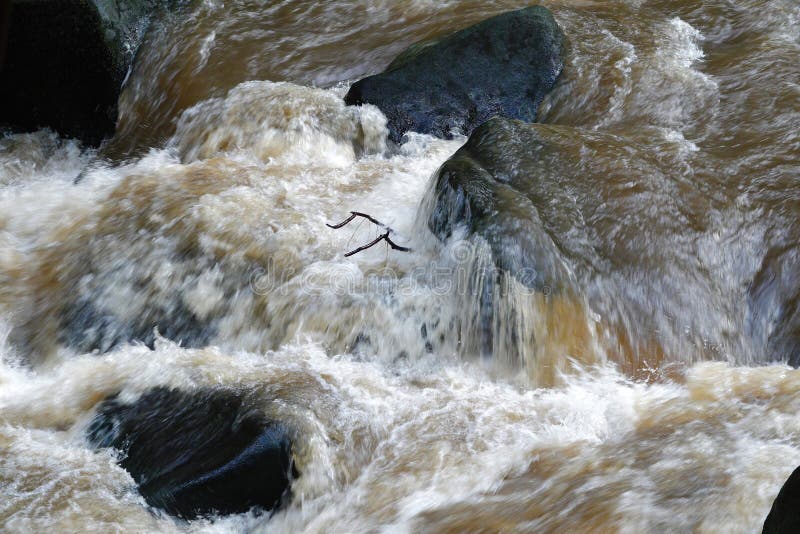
(653, 395)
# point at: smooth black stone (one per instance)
(502, 66)
(784, 517)
(63, 62)
(198, 453)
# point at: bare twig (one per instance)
(383, 237)
(365, 247)
(353, 215)
(344, 222)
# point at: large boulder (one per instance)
(550, 201)
(198, 453)
(62, 63)
(578, 217)
(784, 517)
(613, 222)
(503, 66)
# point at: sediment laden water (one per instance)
(652, 397)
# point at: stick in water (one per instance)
(382, 237)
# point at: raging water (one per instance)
(657, 399)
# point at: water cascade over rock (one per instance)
(585, 326)
(608, 242)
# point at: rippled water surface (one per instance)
(653, 396)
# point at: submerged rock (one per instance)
(138, 266)
(774, 304)
(503, 66)
(608, 220)
(784, 517)
(86, 327)
(495, 190)
(65, 61)
(198, 453)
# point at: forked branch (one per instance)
(383, 237)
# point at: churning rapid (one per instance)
(636, 381)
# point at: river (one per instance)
(658, 402)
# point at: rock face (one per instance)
(536, 197)
(502, 186)
(62, 63)
(199, 453)
(498, 190)
(502, 66)
(784, 517)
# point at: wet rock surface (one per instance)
(63, 62)
(502, 66)
(198, 453)
(534, 195)
(784, 517)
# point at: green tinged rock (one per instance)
(503, 66)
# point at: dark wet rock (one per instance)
(774, 318)
(502, 66)
(490, 188)
(86, 327)
(63, 62)
(784, 517)
(555, 202)
(484, 190)
(570, 214)
(198, 453)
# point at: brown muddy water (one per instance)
(655, 399)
